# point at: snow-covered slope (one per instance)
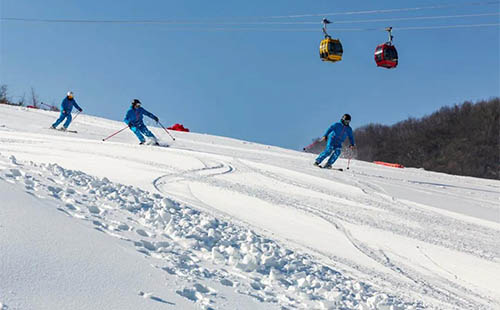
(218, 223)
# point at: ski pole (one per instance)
(48, 105)
(115, 133)
(166, 130)
(349, 158)
(77, 113)
(309, 146)
(312, 144)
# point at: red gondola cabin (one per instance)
(386, 56)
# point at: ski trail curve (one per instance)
(441, 289)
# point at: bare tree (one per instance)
(34, 98)
(22, 100)
(3, 94)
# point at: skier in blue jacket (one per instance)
(66, 107)
(336, 135)
(134, 117)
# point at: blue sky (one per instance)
(258, 85)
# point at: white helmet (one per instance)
(70, 94)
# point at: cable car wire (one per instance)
(433, 7)
(373, 20)
(242, 22)
(445, 27)
(260, 29)
(186, 23)
(415, 18)
(229, 29)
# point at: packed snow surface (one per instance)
(218, 223)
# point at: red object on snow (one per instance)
(388, 164)
(178, 127)
(31, 107)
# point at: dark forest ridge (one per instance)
(462, 139)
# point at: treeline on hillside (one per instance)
(32, 102)
(463, 139)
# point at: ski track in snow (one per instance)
(196, 246)
(439, 288)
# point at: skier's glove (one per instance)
(156, 119)
(130, 125)
(81, 110)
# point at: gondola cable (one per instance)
(241, 22)
(167, 22)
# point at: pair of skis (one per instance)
(64, 130)
(331, 168)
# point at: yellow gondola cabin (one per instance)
(330, 49)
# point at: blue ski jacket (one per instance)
(135, 116)
(68, 104)
(338, 132)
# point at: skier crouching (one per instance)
(336, 135)
(66, 107)
(133, 119)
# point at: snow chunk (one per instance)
(217, 256)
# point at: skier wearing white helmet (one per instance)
(66, 107)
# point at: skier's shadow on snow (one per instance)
(158, 299)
